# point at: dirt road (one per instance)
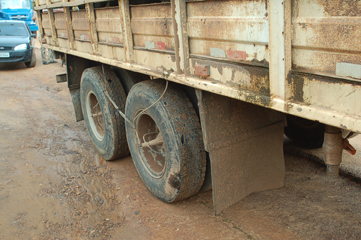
(53, 185)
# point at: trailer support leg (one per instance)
(332, 147)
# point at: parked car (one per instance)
(16, 43)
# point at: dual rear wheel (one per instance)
(165, 141)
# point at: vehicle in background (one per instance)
(18, 10)
(16, 43)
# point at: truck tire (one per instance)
(175, 168)
(32, 63)
(105, 126)
(305, 133)
(129, 78)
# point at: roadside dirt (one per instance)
(53, 184)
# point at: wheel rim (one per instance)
(94, 115)
(151, 146)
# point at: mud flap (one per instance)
(245, 144)
(75, 97)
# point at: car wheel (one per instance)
(32, 63)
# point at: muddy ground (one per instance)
(53, 184)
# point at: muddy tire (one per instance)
(32, 63)
(105, 126)
(305, 133)
(175, 168)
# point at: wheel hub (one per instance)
(95, 116)
(151, 145)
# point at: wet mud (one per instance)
(53, 184)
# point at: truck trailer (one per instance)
(201, 92)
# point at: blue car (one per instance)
(18, 10)
(16, 43)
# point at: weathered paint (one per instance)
(112, 52)
(325, 33)
(81, 26)
(46, 24)
(202, 70)
(108, 25)
(63, 43)
(162, 61)
(237, 25)
(317, 91)
(153, 23)
(348, 70)
(236, 55)
(245, 77)
(217, 52)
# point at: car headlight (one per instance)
(21, 47)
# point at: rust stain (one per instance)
(258, 76)
(338, 8)
(202, 70)
(236, 55)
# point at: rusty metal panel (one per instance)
(63, 43)
(46, 28)
(156, 60)
(81, 25)
(326, 57)
(80, 20)
(47, 32)
(232, 38)
(326, 93)
(82, 36)
(60, 25)
(60, 22)
(112, 52)
(229, 25)
(110, 38)
(83, 46)
(108, 25)
(245, 144)
(202, 70)
(153, 23)
(325, 33)
(62, 34)
(245, 77)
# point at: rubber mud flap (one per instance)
(245, 145)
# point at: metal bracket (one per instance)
(61, 78)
